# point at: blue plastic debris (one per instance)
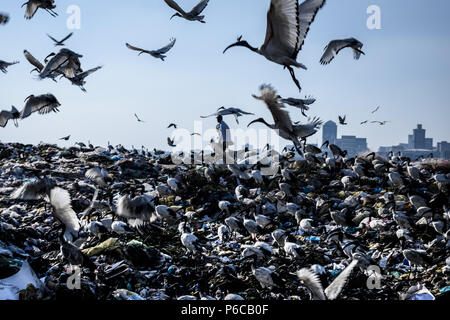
(171, 269)
(377, 190)
(406, 262)
(313, 239)
(334, 273)
(445, 289)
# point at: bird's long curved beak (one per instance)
(236, 44)
(254, 121)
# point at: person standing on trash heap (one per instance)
(224, 135)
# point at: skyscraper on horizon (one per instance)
(329, 132)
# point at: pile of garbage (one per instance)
(143, 228)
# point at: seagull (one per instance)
(139, 120)
(381, 123)
(193, 15)
(65, 138)
(34, 5)
(60, 43)
(172, 125)
(170, 142)
(4, 18)
(159, 54)
(196, 134)
(302, 104)
(4, 65)
(5, 116)
(137, 210)
(333, 48)
(378, 108)
(364, 122)
(342, 120)
(79, 81)
(288, 23)
(42, 104)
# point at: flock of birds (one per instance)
(288, 23)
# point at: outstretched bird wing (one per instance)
(199, 7)
(32, 7)
(86, 73)
(306, 14)
(129, 46)
(67, 37)
(175, 6)
(282, 28)
(166, 48)
(61, 203)
(335, 288)
(311, 281)
(5, 116)
(35, 62)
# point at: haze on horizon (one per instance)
(406, 70)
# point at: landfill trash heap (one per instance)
(108, 224)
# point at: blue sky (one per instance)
(406, 69)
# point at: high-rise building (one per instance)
(419, 137)
(352, 144)
(410, 142)
(329, 132)
(443, 149)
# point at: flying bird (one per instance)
(65, 62)
(335, 46)
(193, 15)
(302, 104)
(283, 123)
(159, 54)
(4, 65)
(172, 125)
(65, 138)
(170, 142)
(79, 81)
(34, 5)
(4, 18)
(381, 123)
(288, 23)
(342, 120)
(139, 120)
(42, 104)
(222, 111)
(378, 108)
(60, 43)
(364, 122)
(5, 116)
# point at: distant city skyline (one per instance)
(405, 71)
